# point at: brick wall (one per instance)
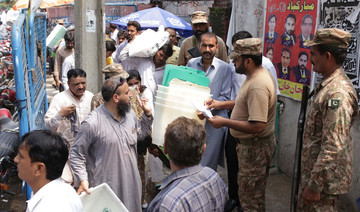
(220, 17)
(221, 3)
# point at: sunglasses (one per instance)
(120, 83)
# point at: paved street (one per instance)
(50, 90)
(278, 190)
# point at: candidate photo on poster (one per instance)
(307, 24)
(288, 38)
(283, 67)
(270, 53)
(271, 36)
(300, 72)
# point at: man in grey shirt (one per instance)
(105, 147)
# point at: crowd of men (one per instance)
(103, 140)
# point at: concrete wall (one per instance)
(184, 9)
(286, 147)
(348, 201)
(90, 46)
(249, 16)
(246, 15)
(287, 134)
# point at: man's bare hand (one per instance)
(212, 103)
(310, 196)
(154, 152)
(84, 186)
(143, 103)
(216, 121)
(200, 115)
(65, 111)
(58, 83)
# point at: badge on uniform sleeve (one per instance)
(133, 130)
(334, 103)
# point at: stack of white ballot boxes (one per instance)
(178, 99)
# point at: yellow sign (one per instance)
(291, 89)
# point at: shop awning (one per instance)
(45, 4)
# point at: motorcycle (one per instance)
(7, 82)
(8, 97)
(9, 144)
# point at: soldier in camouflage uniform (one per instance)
(327, 155)
(109, 71)
(252, 122)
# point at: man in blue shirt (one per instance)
(220, 74)
(190, 187)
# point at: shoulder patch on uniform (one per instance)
(334, 103)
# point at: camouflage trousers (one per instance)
(254, 163)
(96, 101)
(328, 203)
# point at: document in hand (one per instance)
(203, 109)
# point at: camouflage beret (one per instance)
(330, 37)
(248, 46)
(115, 70)
(199, 17)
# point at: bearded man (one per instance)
(288, 38)
(105, 147)
(252, 122)
(190, 48)
(300, 72)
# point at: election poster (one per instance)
(288, 25)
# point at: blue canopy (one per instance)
(154, 17)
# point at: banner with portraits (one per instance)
(288, 25)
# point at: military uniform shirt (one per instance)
(185, 56)
(327, 156)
